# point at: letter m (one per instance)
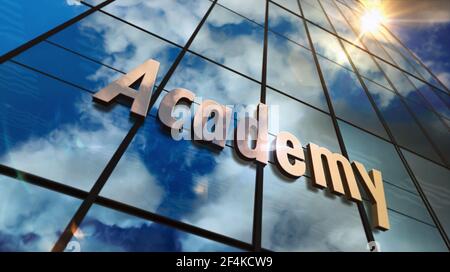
(334, 167)
(145, 74)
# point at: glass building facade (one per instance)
(76, 175)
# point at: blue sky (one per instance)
(424, 26)
(431, 43)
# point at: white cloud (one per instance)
(73, 2)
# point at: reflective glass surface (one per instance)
(296, 217)
(349, 99)
(291, 69)
(104, 229)
(374, 153)
(185, 181)
(339, 22)
(306, 123)
(53, 130)
(110, 42)
(287, 24)
(313, 12)
(328, 46)
(434, 181)
(407, 235)
(210, 81)
(289, 4)
(22, 21)
(399, 120)
(366, 65)
(431, 96)
(31, 217)
(232, 40)
(252, 9)
(174, 20)
(438, 133)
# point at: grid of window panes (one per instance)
(360, 94)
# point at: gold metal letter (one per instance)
(121, 87)
(316, 154)
(373, 184)
(169, 102)
(285, 151)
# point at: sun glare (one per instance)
(371, 20)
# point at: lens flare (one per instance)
(372, 20)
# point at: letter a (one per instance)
(121, 87)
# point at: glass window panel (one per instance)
(434, 127)
(401, 82)
(174, 20)
(419, 69)
(313, 3)
(108, 230)
(185, 181)
(231, 40)
(290, 5)
(430, 94)
(350, 101)
(352, 19)
(292, 70)
(374, 153)
(434, 181)
(400, 60)
(402, 125)
(114, 43)
(366, 65)
(354, 5)
(214, 82)
(54, 130)
(253, 9)
(328, 46)
(31, 217)
(287, 24)
(67, 66)
(339, 23)
(444, 96)
(406, 203)
(315, 14)
(409, 235)
(306, 123)
(22, 21)
(373, 46)
(298, 217)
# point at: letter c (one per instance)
(168, 104)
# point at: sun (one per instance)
(372, 19)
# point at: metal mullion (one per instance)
(78, 217)
(359, 205)
(259, 178)
(405, 163)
